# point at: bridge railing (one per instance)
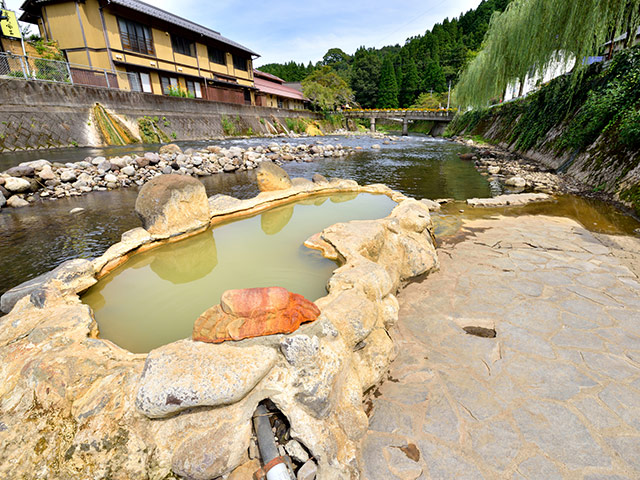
(427, 112)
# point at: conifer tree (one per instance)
(365, 77)
(410, 83)
(433, 78)
(388, 90)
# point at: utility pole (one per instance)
(449, 97)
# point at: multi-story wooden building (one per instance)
(272, 92)
(165, 53)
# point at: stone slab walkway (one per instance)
(556, 393)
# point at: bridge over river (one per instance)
(441, 118)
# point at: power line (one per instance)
(430, 10)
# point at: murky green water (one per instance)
(157, 295)
(594, 215)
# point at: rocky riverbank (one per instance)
(516, 172)
(41, 179)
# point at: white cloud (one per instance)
(282, 30)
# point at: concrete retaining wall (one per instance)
(36, 114)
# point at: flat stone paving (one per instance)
(556, 393)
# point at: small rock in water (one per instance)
(110, 178)
(46, 173)
(129, 170)
(16, 202)
(170, 148)
(375, 146)
(68, 176)
(17, 185)
(76, 210)
(517, 182)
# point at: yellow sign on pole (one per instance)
(9, 24)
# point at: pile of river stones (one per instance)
(518, 173)
(39, 179)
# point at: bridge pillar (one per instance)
(438, 129)
(405, 126)
(373, 124)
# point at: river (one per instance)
(35, 239)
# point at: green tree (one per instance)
(433, 79)
(388, 90)
(438, 55)
(410, 83)
(326, 89)
(531, 35)
(365, 77)
(339, 61)
(431, 100)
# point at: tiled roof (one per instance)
(273, 88)
(268, 76)
(160, 14)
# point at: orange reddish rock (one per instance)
(254, 312)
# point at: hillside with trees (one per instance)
(425, 64)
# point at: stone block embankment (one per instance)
(37, 115)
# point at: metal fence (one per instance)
(46, 70)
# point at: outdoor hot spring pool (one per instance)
(154, 298)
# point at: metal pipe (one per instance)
(267, 445)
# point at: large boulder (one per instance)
(271, 177)
(188, 374)
(254, 312)
(172, 204)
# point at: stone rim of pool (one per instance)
(341, 354)
(154, 297)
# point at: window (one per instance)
(136, 37)
(145, 80)
(168, 84)
(280, 104)
(194, 89)
(134, 82)
(217, 56)
(140, 82)
(240, 63)
(247, 97)
(183, 46)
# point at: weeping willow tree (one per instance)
(532, 35)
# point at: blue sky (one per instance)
(282, 30)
